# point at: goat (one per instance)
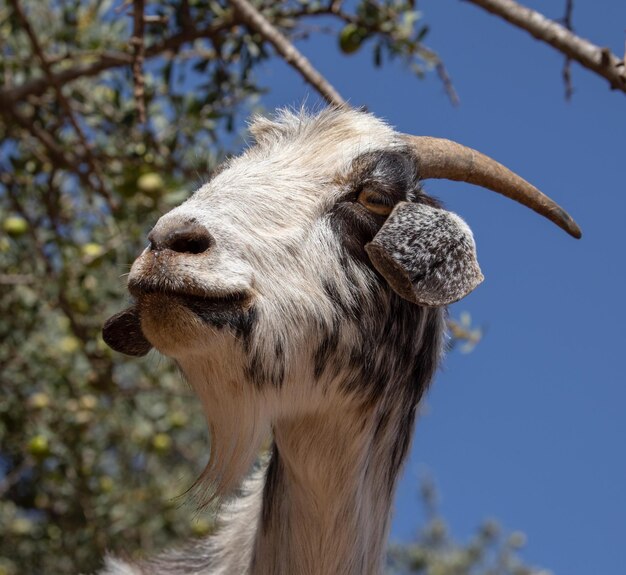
(302, 292)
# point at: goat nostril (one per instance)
(189, 244)
(192, 239)
(189, 238)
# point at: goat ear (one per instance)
(122, 332)
(427, 255)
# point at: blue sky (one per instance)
(530, 428)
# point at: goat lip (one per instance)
(234, 299)
(192, 297)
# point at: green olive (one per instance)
(351, 38)
(15, 226)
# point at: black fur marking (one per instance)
(254, 370)
(392, 348)
(279, 348)
(325, 351)
(355, 227)
(394, 174)
(402, 443)
(245, 325)
(332, 293)
(262, 371)
(272, 489)
(222, 313)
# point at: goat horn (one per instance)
(440, 158)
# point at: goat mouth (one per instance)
(213, 302)
(204, 304)
(219, 299)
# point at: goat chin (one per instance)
(170, 326)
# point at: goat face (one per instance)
(278, 239)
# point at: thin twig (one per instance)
(600, 60)
(186, 21)
(56, 154)
(137, 41)
(16, 279)
(448, 86)
(257, 22)
(123, 6)
(567, 68)
(334, 5)
(432, 56)
(38, 50)
(14, 476)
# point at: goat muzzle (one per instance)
(444, 159)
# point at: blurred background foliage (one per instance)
(97, 450)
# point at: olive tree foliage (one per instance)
(490, 551)
(110, 114)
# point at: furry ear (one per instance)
(122, 332)
(427, 255)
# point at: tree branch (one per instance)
(440, 68)
(137, 42)
(39, 86)
(567, 72)
(600, 60)
(108, 61)
(41, 56)
(257, 22)
(69, 161)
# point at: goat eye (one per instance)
(375, 202)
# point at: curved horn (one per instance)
(440, 158)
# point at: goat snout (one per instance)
(186, 238)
